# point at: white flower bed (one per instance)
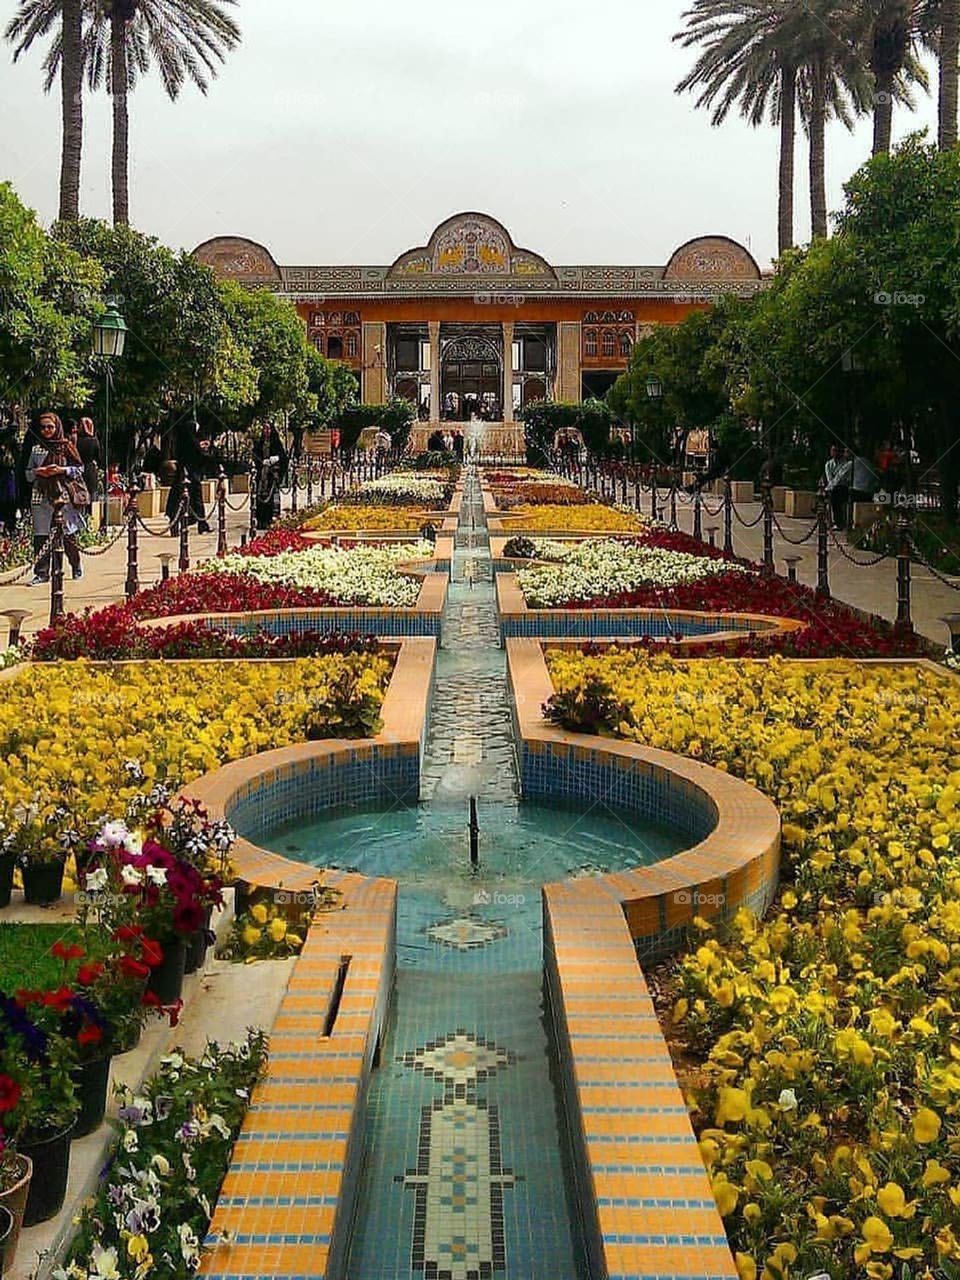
(604, 567)
(354, 575)
(401, 487)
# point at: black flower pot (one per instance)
(197, 945)
(7, 864)
(50, 1153)
(128, 1039)
(92, 1079)
(7, 1237)
(42, 882)
(166, 980)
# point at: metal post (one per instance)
(791, 563)
(183, 564)
(766, 491)
(254, 479)
(165, 557)
(728, 515)
(295, 488)
(904, 622)
(221, 514)
(823, 544)
(673, 507)
(132, 585)
(637, 490)
(323, 481)
(309, 482)
(697, 513)
(712, 534)
(623, 486)
(56, 562)
(654, 497)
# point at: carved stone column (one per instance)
(568, 362)
(508, 371)
(374, 390)
(435, 406)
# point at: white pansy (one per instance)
(605, 567)
(401, 487)
(97, 880)
(363, 575)
(157, 875)
(105, 1263)
(114, 834)
(131, 875)
(788, 1100)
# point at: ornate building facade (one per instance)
(471, 326)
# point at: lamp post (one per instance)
(109, 341)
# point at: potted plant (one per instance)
(38, 1108)
(40, 841)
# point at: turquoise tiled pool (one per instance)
(466, 1168)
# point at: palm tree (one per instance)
(834, 83)
(890, 32)
(33, 20)
(949, 56)
(750, 59)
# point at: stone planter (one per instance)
(801, 503)
(779, 497)
(148, 504)
(741, 491)
(209, 490)
(240, 484)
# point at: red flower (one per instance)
(132, 968)
(64, 952)
(127, 933)
(89, 1035)
(151, 953)
(59, 999)
(89, 973)
(10, 1093)
(24, 998)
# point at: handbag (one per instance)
(76, 492)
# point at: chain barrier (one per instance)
(241, 505)
(796, 542)
(107, 546)
(921, 559)
(708, 510)
(748, 524)
(861, 564)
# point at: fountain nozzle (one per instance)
(474, 834)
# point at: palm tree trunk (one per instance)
(71, 88)
(949, 57)
(121, 122)
(788, 146)
(883, 114)
(818, 128)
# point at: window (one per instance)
(318, 342)
(609, 342)
(334, 347)
(352, 317)
(534, 355)
(590, 342)
(626, 344)
(408, 354)
(353, 346)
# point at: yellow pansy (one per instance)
(926, 1126)
(259, 913)
(278, 929)
(252, 935)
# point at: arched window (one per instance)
(626, 344)
(609, 342)
(352, 317)
(318, 342)
(353, 346)
(590, 338)
(334, 347)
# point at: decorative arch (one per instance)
(471, 244)
(236, 258)
(712, 258)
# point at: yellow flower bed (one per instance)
(87, 740)
(591, 518)
(373, 519)
(828, 1100)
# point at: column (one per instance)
(568, 362)
(508, 371)
(374, 389)
(435, 406)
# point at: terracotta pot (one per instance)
(14, 1199)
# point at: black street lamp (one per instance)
(109, 342)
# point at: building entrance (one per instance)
(471, 381)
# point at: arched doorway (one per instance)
(471, 382)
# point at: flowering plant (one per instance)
(592, 517)
(367, 519)
(265, 933)
(37, 1090)
(154, 1204)
(402, 489)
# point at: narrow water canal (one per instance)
(465, 1177)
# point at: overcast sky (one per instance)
(344, 134)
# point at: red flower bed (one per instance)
(832, 629)
(275, 541)
(113, 634)
(559, 495)
(223, 593)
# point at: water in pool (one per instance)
(466, 1171)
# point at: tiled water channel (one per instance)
(465, 1175)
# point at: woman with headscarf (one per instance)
(271, 459)
(9, 504)
(91, 455)
(55, 470)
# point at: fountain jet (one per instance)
(474, 834)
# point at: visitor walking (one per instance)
(191, 458)
(271, 459)
(91, 455)
(55, 471)
(9, 505)
(837, 474)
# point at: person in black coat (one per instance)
(9, 504)
(190, 457)
(272, 460)
(91, 455)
